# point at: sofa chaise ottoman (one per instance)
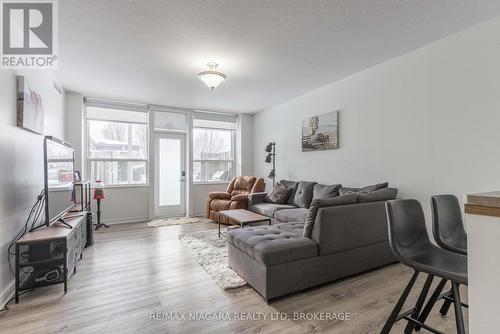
(340, 237)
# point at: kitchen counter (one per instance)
(485, 204)
(482, 216)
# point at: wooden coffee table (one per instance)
(242, 217)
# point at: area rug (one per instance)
(176, 221)
(211, 253)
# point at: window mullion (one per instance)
(129, 167)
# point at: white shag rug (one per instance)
(176, 221)
(211, 253)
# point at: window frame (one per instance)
(89, 160)
(232, 161)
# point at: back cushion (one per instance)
(324, 191)
(366, 189)
(244, 183)
(293, 186)
(378, 195)
(278, 195)
(347, 227)
(303, 194)
(321, 203)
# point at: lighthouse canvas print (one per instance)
(321, 132)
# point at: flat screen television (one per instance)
(59, 176)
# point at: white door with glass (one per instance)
(170, 175)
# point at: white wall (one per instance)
(427, 122)
(21, 157)
(124, 205)
(244, 140)
(74, 127)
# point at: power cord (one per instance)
(6, 306)
(36, 212)
(33, 217)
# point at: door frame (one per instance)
(170, 211)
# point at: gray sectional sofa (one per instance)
(319, 236)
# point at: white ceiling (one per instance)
(151, 51)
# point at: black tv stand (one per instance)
(50, 250)
(62, 221)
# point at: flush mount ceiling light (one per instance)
(212, 78)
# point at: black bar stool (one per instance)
(411, 244)
(447, 224)
(449, 233)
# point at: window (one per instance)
(117, 146)
(213, 149)
(172, 121)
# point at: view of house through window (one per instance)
(117, 150)
(213, 153)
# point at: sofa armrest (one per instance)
(240, 198)
(219, 195)
(342, 228)
(256, 198)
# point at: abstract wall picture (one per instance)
(30, 112)
(321, 132)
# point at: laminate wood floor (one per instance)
(133, 270)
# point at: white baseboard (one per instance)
(124, 220)
(7, 293)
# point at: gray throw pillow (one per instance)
(367, 189)
(321, 203)
(279, 194)
(293, 186)
(303, 194)
(378, 195)
(324, 191)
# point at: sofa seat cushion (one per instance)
(291, 215)
(272, 245)
(296, 228)
(268, 209)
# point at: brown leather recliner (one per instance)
(235, 197)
